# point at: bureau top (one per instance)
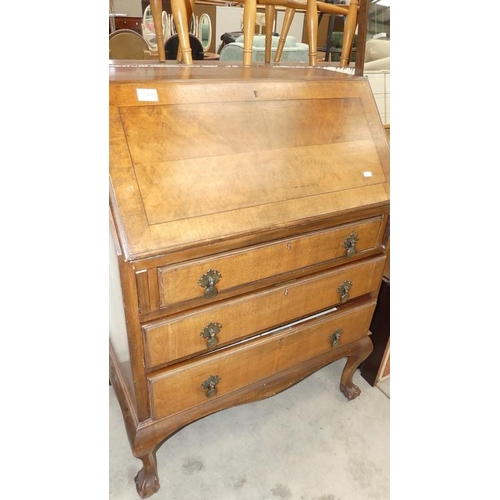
(201, 155)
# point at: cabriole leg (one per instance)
(361, 351)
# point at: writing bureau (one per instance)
(248, 222)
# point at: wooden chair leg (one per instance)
(348, 37)
(270, 13)
(180, 15)
(249, 16)
(361, 40)
(312, 31)
(189, 14)
(287, 22)
(156, 10)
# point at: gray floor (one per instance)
(306, 443)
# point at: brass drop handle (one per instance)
(209, 333)
(208, 281)
(335, 336)
(209, 385)
(343, 291)
(350, 244)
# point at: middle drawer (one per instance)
(203, 329)
(188, 384)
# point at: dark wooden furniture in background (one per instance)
(376, 368)
(243, 258)
(129, 23)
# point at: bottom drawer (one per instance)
(188, 384)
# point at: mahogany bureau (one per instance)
(249, 215)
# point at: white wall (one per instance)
(131, 7)
(228, 19)
(380, 82)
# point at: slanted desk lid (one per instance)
(200, 155)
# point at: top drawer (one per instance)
(204, 279)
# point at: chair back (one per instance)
(128, 44)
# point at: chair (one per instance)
(205, 31)
(355, 12)
(172, 48)
(128, 44)
(351, 21)
(356, 15)
(249, 15)
(148, 28)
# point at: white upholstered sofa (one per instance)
(293, 51)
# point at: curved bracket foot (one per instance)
(361, 350)
(146, 480)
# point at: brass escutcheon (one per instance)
(350, 244)
(210, 332)
(343, 290)
(208, 282)
(209, 385)
(335, 336)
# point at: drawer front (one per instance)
(181, 335)
(181, 283)
(181, 387)
(130, 23)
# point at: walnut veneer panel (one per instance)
(271, 307)
(178, 388)
(179, 283)
(205, 143)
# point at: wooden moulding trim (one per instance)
(123, 396)
(381, 375)
(161, 311)
(151, 434)
(257, 238)
(148, 246)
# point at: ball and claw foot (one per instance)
(146, 480)
(350, 391)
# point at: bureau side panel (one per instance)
(116, 320)
(117, 324)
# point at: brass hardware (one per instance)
(210, 332)
(209, 385)
(343, 290)
(208, 282)
(335, 336)
(350, 244)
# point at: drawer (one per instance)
(184, 282)
(130, 23)
(180, 336)
(180, 387)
